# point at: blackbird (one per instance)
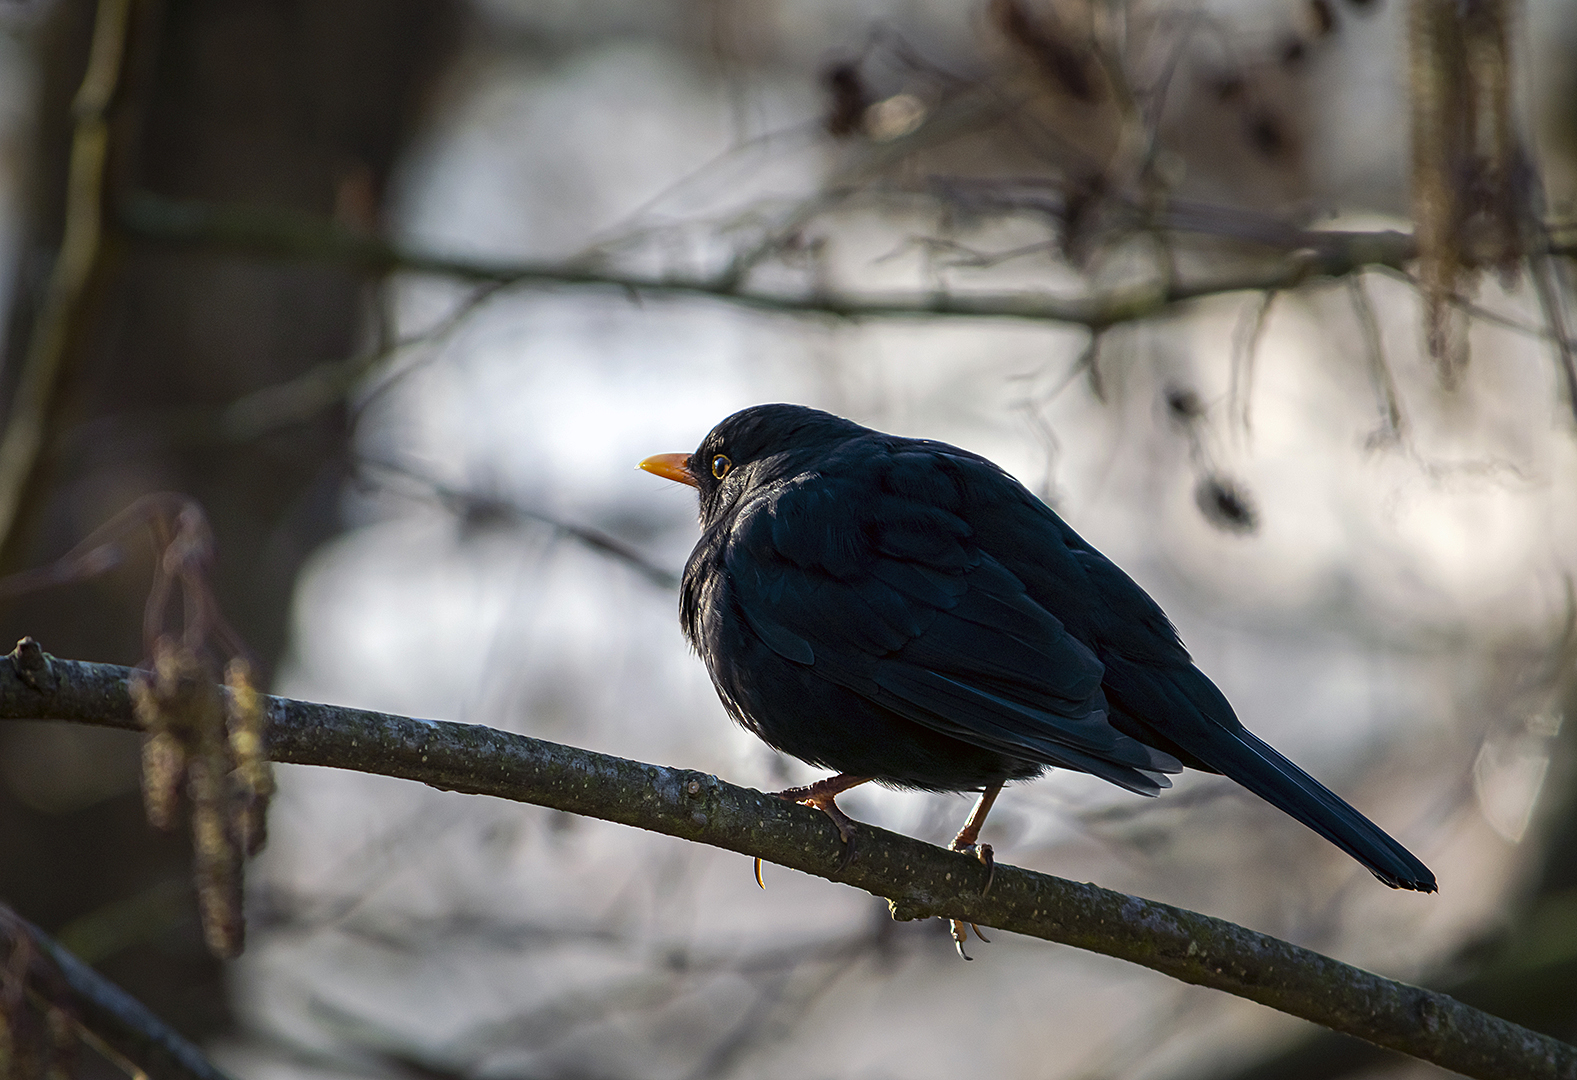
(903, 611)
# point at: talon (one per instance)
(960, 935)
(763, 884)
(983, 939)
(848, 854)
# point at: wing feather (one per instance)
(910, 614)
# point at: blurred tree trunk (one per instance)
(298, 105)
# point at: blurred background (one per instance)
(1347, 477)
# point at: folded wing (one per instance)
(896, 602)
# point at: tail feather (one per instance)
(1256, 765)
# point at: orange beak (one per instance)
(671, 467)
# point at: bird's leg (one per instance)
(967, 841)
(821, 795)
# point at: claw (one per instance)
(960, 935)
(763, 884)
(984, 853)
(848, 854)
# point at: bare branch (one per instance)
(114, 1022)
(282, 234)
(921, 881)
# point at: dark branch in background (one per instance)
(1546, 275)
(109, 1019)
(919, 880)
(480, 509)
(1299, 256)
(1284, 257)
(281, 234)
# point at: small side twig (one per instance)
(1546, 272)
(1379, 371)
(1245, 349)
(476, 506)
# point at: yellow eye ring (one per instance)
(720, 466)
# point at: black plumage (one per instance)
(902, 610)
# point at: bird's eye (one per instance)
(720, 466)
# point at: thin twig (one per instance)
(1544, 271)
(356, 379)
(1478, 311)
(326, 385)
(1245, 348)
(430, 338)
(475, 505)
(921, 881)
(1374, 351)
(75, 265)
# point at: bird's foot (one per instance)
(987, 859)
(824, 802)
(823, 796)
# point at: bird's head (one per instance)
(752, 448)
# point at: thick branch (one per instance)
(920, 880)
(285, 235)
